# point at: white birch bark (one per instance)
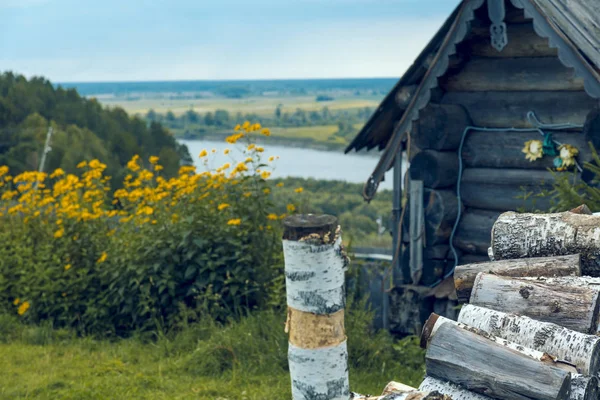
(456, 392)
(584, 387)
(579, 349)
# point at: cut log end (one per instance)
(309, 226)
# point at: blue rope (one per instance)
(538, 127)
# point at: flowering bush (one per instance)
(76, 253)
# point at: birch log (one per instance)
(314, 270)
(436, 321)
(584, 387)
(431, 384)
(480, 365)
(541, 235)
(581, 350)
(465, 275)
(573, 307)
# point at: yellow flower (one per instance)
(235, 221)
(3, 170)
(59, 233)
(237, 128)
(251, 146)
(299, 190)
(17, 301)
(266, 132)
(272, 217)
(67, 267)
(222, 206)
(57, 172)
(271, 158)
(533, 150)
(280, 184)
(260, 149)
(213, 151)
(226, 151)
(291, 208)
(203, 153)
(158, 168)
(265, 174)
(256, 127)
(82, 164)
(266, 190)
(23, 308)
(102, 258)
(567, 153)
(247, 194)
(153, 159)
(246, 125)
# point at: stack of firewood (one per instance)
(530, 329)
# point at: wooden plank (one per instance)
(474, 231)
(570, 306)
(579, 349)
(505, 150)
(522, 74)
(543, 235)
(485, 367)
(464, 275)
(505, 198)
(417, 230)
(509, 109)
(511, 177)
(522, 42)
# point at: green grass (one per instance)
(241, 360)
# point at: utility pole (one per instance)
(46, 150)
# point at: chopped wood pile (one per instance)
(531, 327)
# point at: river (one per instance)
(298, 162)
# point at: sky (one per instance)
(145, 40)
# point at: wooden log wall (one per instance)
(495, 90)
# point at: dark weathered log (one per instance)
(505, 198)
(507, 177)
(509, 109)
(440, 127)
(483, 366)
(431, 384)
(584, 387)
(404, 96)
(513, 74)
(505, 150)
(436, 169)
(472, 258)
(591, 128)
(464, 275)
(522, 42)
(433, 269)
(441, 209)
(543, 235)
(410, 306)
(579, 349)
(474, 231)
(573, 307)
(582, 209)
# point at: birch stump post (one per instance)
(315, 263)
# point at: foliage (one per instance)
(78, 255)
(83, 129)
(570, 190)
(244, 359)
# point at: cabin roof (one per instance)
(571, 26)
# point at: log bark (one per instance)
(314, 271)
(543, 235)
(433, 269)
(410, 306)
(482, 366)
(505, 198)
(502, 109)
(474, 231)
(440, 127)
(436, 169)
(522, 42)
(584, 387)
(472, 258)
(404, 96)
(456, 392)
(581, 350)
(507, 177)
(505, 150)
(513, 74)
(441, 209)
(436, 321)
(573, 307)
(464, 275)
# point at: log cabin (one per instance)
(506, 91)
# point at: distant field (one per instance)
(260, 105)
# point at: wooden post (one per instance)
(574, 307)
(314, 270)
(542, 235)
(417, 231)
(483, 366)
(581, 350)
(465, 275)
